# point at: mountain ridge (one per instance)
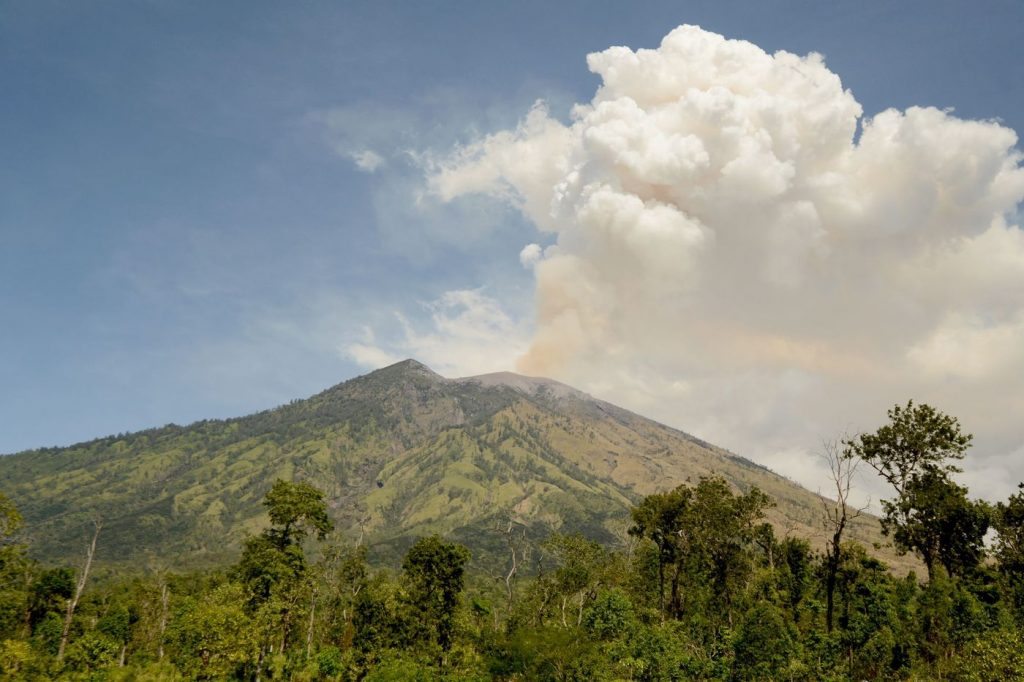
(399, 452)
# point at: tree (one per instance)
(69, 613)
(763, 644)
(275, 556)
(272, 563)
(1008, 521)
(295, 509)
(842, 465)
(659, 518)
(580, 565)
(938, 521)
(212, 637)
(434, 574)
(13, 570)
(704, 533)
(722, 527)
(916, 439)
(931, 514)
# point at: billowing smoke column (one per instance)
(738, 251)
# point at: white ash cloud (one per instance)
(740, 252)
(468, 333)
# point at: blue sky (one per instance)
(184, 234)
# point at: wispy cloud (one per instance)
(467, 333)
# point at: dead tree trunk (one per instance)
(79, 588)
(165, 596)
(309, 626)
(518, 556)
(837, 516)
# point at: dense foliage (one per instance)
(700, 588)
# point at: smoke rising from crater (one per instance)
(738, 250)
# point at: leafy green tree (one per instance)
(931, 514)
(704, 533)
(14, 571)
(377, 620)
(917, 438)
(949, 616)
(15, 656)
(265, 567)
(795, 574)
(660, 518)
(722, 529)
(49, 593)
(610, 616)
(116, 625)
(763, 645)
(92, 651)
(580, 571)
(934, 518)
(295, 509)
(871, 639)
(1008, 521)
(212, 637)
(275, 556)
(345, 576)
(273, 566)
(434, 575)
(993, 657)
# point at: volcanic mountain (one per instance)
(400, 452)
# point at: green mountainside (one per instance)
(400, 452)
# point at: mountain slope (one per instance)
(399, 452)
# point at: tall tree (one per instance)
(13, 569)
(931, 514)
(722, 528)
(275, 556)
(434, 573)
(1008, 521)
(660, 518)
(295, 509)
(83, 577)
(842, 465)
(273, 563)
(704, 529)
(939, 522)
(917, 438)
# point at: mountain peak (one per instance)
(525, 384)
(398, 452)
(407, 367)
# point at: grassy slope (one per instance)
(399, 452)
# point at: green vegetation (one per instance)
(700, 588)
(399, 453)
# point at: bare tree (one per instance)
(160, 570)
(165, 597)
(837, 515)
(519, 554)
(90, 552)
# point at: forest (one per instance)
(700, 588)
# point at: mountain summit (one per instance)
(399, 452)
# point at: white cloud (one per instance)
(368, 160)
(530, 255)
(382, 141)
(468, 333)
(730, 257)
(370, 356)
